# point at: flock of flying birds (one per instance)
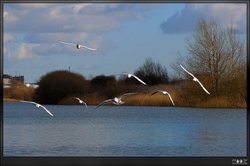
(117, 100)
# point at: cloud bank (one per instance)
(28, 24)
(227, 15)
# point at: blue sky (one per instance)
(125, 34)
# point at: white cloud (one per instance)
(21, 52)
(9, 17)
(5, 14)
(52, 37)
(77, 7)
(24, 51)
(84, 17)
(31, 6)
(46, 24)
(226, 14)
(85, 23)
(7, 37)
(46, 44)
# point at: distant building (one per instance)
(20, 79)
(32, 85)
(9, 81)
(6, 81)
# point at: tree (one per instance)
(235, 49)
(103, 81)
(56, 85)
(214, 51)
(104, 86)
(152, 72)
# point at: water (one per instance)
(123, 131)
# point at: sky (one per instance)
(124, 34)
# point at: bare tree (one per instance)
(152, 72)
(177, 74)
(235, 50)
(214, 51)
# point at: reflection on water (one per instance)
(123, 131)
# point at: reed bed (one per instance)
(181, 95)
(9, 100)
(222, 102)
(148, 100)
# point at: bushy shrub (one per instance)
(103, 81)
(56, 85)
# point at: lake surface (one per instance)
(123, 131)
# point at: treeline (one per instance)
(59, 87)
(91, 91)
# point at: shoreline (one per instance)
(9, 100)
(139, 105)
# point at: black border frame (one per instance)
(27, 161)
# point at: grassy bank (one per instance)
(155, 100)
(184, 94)
(163, 100)
(9, 100)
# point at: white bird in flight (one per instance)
(195, 79)
(132, 75)
(38, 105)
(78, 46)
(115, 100)
(81, 102)
(165, 93)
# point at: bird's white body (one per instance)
(165, 93)
(78, 46)
(116, 100)
(81, 102)
(38, 105)
(195, 79)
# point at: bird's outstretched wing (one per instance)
(85, 104)
(93, 49)
(196, 79)
(170, 98)
(203, 87)
(126, 94)
(46, 110)
(138, 79)
(164, 94)
(39, 105)
(187, 71)
(78, 99)
(72, 44)
(104, 102)
(155, 92)
(31, 102)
